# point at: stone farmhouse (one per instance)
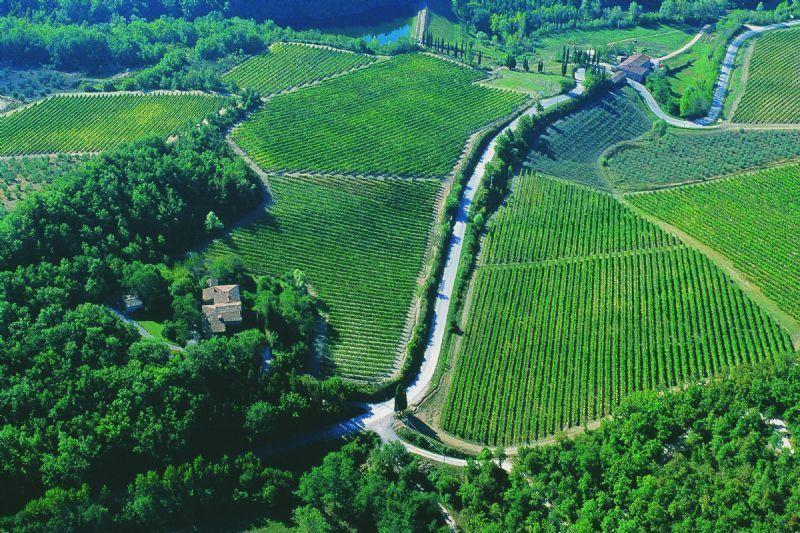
(222, 308)
(637, 67)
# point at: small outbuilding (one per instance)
(637, 67)
(222, 308)
(131, 303)
(618, 78)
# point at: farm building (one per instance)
(131, 303)
(637, 67)
(618, 78)
(222, 308)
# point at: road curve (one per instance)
(721, 88)
(660, 113)
(727, 67)
(379, 416)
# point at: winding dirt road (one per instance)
(721, 88)
(378, 417)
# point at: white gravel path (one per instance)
(721, 87)
(378, 417)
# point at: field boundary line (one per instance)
(790, 324)
(751, 47)
(158, 92)
(730, 175)
(581, 258)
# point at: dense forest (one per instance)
(283, 11)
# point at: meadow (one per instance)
(21, 176)
(530, 83)
(654, 41)
(361, 242)
(409, 116)
(693, 66)
(289, 65)
(682, 156)
(94, 123)
(753, 219)
(595, 305)
(772, 86)
(571, 147)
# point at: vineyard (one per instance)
(290, 65)
(682, 156)
(408, 116)
(93, 123)
(753, 219)
(560, 335)
(770, 94)
(361, 242)
(570, 148)
(19, 177)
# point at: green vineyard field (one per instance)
(753, 219)
(408, 116)
(289, 65)
(772, 88)
(610, 305)
(682, 156)
(361, 242)
(570, 148)
(94, 123)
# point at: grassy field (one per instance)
(530, 83)
(93, 123)
(693, 65)
(290, 65)
(772, 87)
(753, 219)
(19, 177)
(571, 147)
(654, 41)
(361, 242)
(409, 116)
(577, 303)
(683, 156)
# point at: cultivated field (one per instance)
(682, 156)
(93, 123)
(772, 88)
(570, 148)
(409, 116)
(753, 219)
(361, 242)
(290, 65)
(19, 177)
(609, 305)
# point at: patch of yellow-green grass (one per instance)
(693, 65)
(655, 41)
(156, 329)
(530, 83)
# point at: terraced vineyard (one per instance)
(19, 177)
(593, 305)
(753, 219)
(682, 156)
(93, 123)
(361, 242)
(289, 65)
(770, 95)
(570, 148)
(409, 116)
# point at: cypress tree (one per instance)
(400, 399)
